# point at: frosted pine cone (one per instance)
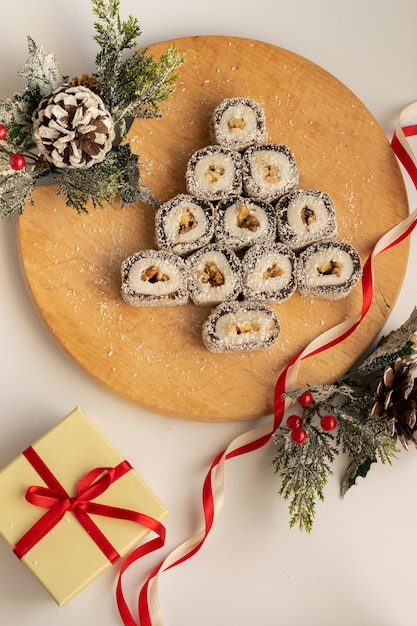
(396, 397)
(72, 127)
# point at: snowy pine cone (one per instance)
(396, 397)
(72, 127)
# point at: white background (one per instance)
(358, 567)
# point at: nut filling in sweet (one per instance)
(273, 272)
(331, 268)
(236, 123)
(242, 329)
(247, 220)
(187, 222)
(214, 173)
(308, 216)
(271, 173)
(154, 274)
(211, 275)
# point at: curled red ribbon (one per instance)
(57, 501)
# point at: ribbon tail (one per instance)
(213, 499)
(147, 548)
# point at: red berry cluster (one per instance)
(16, 161)
(295, 422)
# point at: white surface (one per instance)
(357, 568)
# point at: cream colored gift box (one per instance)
(67, 559)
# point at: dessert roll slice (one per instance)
(238, 123)
(154, 278)
(240, 326)
(269, 273)
(184, 224)
(242, 222)
(305, 216)
(328, 269)
(269, 171)
(214, 172)
(214, 275)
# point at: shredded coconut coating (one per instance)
(154, 278)
(184, 224)
(214, 275)
(240, 327)
(238, 123)
(329, 270)
(269, 273)
(304, 217)
(269, 171)
(214, 172)
(242, 222)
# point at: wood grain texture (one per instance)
(155, 358)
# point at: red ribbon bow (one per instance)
(54, 498)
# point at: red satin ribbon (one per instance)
(55, 498)
(404, 155)
(148, 608)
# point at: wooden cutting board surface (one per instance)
(155, 358)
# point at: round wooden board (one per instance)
(154, 357)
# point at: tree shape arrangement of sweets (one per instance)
(72, 130)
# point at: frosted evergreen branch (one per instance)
(101, 183)
(111, 32)
(15, 190)
(399, 343)
(365, 442)
(146, 83)
(41, 70)
(304, 471)
(132, 87)
(42, 74)
(113, 36)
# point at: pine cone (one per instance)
(72, 127)
(86, 81)
(396, 397)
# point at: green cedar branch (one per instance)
(131, 87)
(101, 183)
(15, 189)
(42, 74)
(304, 471)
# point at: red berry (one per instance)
(305, 399)
(17, 161)
(293, 421)
(3, 132)
(299, 435)
(328, 422)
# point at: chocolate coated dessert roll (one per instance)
(240, 327)
(214, 275)
(184, 224)
(242, 222)
(214, 172)
(269, 171)
(238, 123)
(305, 216)
(154, 278)
(269, 273)
(328, 269)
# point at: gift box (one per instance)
(69, 506)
